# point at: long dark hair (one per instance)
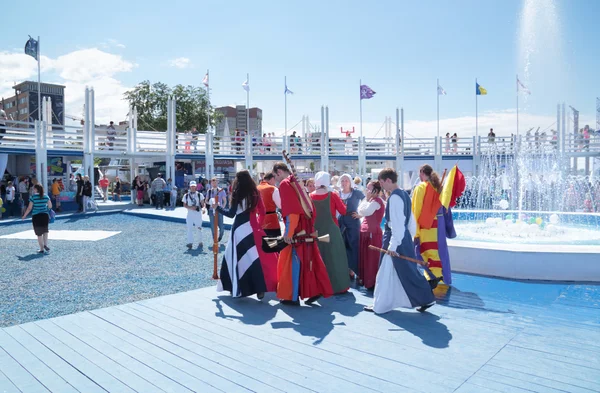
(40, 189)
(434, 178)
(244, 189)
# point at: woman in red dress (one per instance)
(372, 208)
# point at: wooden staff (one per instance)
(396, 255)
(305, 201)
(300, 237)
(215, 243)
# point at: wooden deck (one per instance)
(485, 335)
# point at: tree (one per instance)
(192, 107)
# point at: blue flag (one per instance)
(31, 48)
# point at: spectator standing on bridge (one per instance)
(110, 135)
(158, 189)
(3, 119)
(447, 142)
(491, 136)
(195, 136)
(455, 143)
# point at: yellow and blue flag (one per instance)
(479, 90)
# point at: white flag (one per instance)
(205, 80)
(441, 91)
(521, 86)
(246, 86)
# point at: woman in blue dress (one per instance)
(350, 223)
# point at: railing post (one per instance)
(248, 153)
(210, 158)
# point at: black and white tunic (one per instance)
(241, 272)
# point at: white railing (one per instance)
(581, 144)
(269, 146)
(106, 140)
(380, 147)
(64, 137)
(340, 147)
(449, 147)
(151, 142)
(497, 145)
(419, 146)
(18, 135)
(229, 146)
(188, 143)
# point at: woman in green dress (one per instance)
(327, 204)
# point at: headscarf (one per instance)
(349, 179)
(322, 179)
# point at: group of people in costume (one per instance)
(328, 238)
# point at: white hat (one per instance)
(193, 184)
(322, 179)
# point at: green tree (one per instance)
(192, 108)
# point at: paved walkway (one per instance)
(485, 335)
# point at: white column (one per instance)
(322, 140)
(91, 173)
(210, 158)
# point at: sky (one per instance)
(325, 48)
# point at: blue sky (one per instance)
(398, 48)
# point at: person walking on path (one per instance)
(193, 201)
(40, 206)
(241, 269)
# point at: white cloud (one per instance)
(180, 62)
(76, 70)
(110, 43)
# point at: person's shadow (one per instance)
(253, 312)
(30, 257)
(318, 320)
(449, 296)
(195, 251)
(426, 326)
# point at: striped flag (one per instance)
(205, 80)
(453, 187)
(441, 91)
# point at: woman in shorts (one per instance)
(40, 205)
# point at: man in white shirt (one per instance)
(193, 201)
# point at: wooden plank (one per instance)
(6, 384)
(345, 360)
(181, 371)
(485, 383)
(83, 365)
(301, 363)
(247, 375)
(541, 378)
(38, 369)
(130, 378)
(69, 373)
(19, 376)
(174, 355)
(469, 387)
(384, 355)
(272, 365)
(518, 359)
(510, 380)
(121, 357)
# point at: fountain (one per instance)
(524, 215)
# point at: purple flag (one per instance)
(366, 92)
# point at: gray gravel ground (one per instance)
(147, 259)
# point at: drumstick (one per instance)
(394, 254)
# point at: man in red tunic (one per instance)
(300, 269)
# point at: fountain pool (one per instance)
(527, 245)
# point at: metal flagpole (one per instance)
(39, 58)
(438, 108)
(208, 97)
(285, 98)
(248, 106)
(476, 113)
(360, 99)
(517, 82)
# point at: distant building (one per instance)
(236, 120)
(23, 106)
